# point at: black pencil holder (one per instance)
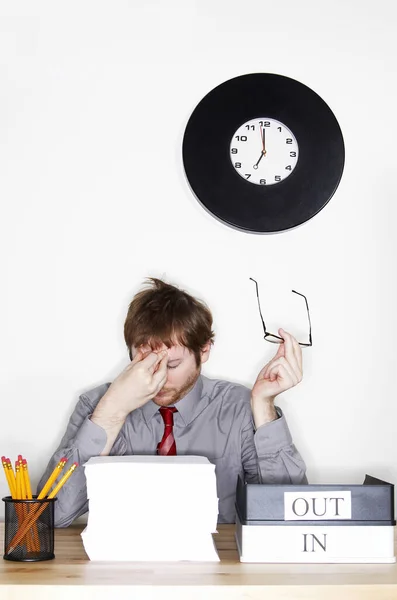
(29, 529)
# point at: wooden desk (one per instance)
(72, 576)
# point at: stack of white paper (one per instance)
(151, 508)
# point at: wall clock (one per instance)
(263, 153)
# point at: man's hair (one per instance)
(164, 314)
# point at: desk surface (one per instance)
(188, 581)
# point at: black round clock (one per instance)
(263, 153)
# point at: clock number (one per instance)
(279, 128)
(234, 150)
(289, 168)
(277, 178)
(250, 127)
(262, 181)
(264, 123)
(242, 138)
(237, 165)
(292, 154)
(288, 141)
(248, 175)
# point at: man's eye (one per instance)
(173, 367)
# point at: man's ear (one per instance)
(205, 352)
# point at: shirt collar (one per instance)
(186, 406)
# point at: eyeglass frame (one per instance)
(279, 340)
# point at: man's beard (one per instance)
(172, 395)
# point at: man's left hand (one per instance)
(283, 372)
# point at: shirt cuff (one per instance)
(271, 437)
(90, 439)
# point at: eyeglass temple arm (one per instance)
(259, 305)
(308, 314)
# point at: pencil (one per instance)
(22, 477)
(25, 471)
(12, 476)
(18, 481)
(23, 507)
(9, 476)
(20, 509)
(63, 480)
(28, 522)
(54, 475)
(9, 463)
(33, 534)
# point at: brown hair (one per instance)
(164, 314)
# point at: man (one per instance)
(161, 403)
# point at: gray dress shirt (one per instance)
(214, 420)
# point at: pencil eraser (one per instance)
(63, 459)
(24, 461)
(19, 456)
(3, 459)
(77, 464)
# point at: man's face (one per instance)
(182, 372)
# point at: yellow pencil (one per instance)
(50, 481)
(63, 480)
(33, 535)
(28, 522)
(22, 477)
(20, 510)
(11, 483)
(12, 477)
(23, 508)
(18, 480)
(25, 471)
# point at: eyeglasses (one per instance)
(276, 339)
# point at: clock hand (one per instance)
(263, 136)
(263, 139)
(259, 160)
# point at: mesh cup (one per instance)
(38, 542)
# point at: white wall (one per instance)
(91, 203)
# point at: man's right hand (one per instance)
(140, 381)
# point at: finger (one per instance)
(290, 352)
(162, 364)
(163, 356)
(153, 359)
(281, 373)
(141, 353)
(138, 357)
(275, 373)
(280, 352)
(270, 365)
(298, 352)
(282, 365)
(288, 348)
(160, 376)
(295, 346)
(263, 372)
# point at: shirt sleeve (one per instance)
(82, 440)
(269, 454)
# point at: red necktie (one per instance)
(167, 446)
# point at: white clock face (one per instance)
(264, 151)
